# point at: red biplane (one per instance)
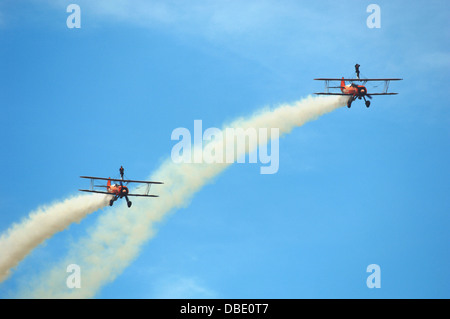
(118, 190)
(356, 89)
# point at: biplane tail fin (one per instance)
(342, 84)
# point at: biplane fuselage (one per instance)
(118, 190)
(353, 89)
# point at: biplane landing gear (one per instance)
(349, 102)
(367, 102)
(111, 202)
(128, 202)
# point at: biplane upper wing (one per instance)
(357, 80)
(121, 180)
(142, 182)
(328, 87)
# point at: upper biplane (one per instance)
(356, 88)
(118, 190)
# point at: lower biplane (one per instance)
(119, 190)
(356, 89)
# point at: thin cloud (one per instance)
(202, 18)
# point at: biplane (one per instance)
(119, 190)
(356, 89)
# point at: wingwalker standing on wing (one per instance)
(355, 91)
(118, 190)
(357, 70)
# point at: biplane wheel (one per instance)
(129, 204)
(367, 103)
(111, 202)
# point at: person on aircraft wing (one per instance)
(357, 70)
(121, 171)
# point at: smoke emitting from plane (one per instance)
(116, 240)
(20, 239)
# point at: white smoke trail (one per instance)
(115, 242)
(20, 239)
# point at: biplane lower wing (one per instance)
(383, 93)
(98, 192)
(324, 93)
(112, 194)
(143, 195)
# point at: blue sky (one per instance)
(354, 188)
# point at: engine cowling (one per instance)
(362, 91)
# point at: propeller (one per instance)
(365, 94)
